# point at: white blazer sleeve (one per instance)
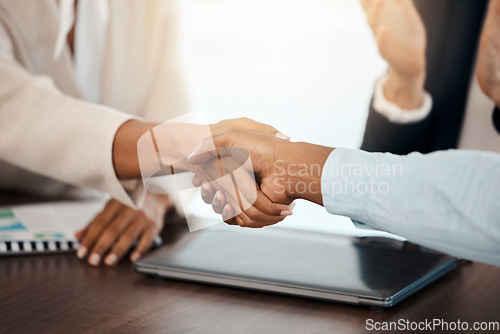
(46, 132)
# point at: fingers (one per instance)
(116, 229)
(264, 204)
(244, 221)
(219, 202)
(225, 161)
(373, 11)
(365, 4)
(79, 234)
(244, 123)
(145, 243)
(268, 129)
(253, 125)
(253, 216)
(207, 192)
(228, 215)
(91, 233)
(141, 228)
(370, 5)
(282, 136)
(197, 181)
(110, 235)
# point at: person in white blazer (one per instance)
(66, 88)
(78, 82)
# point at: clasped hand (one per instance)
(273, 162)
(246, 190)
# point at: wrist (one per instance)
(125, 157)
(304, 164)
(405, 90)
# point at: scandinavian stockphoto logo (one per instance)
(163, 153)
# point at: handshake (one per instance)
(249, 172)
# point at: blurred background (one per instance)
(307, 67)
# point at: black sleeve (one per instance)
(381, 135)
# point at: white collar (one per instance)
(89, 44)
(66, 10)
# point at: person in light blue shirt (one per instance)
(446, 200)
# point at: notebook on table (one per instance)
(44, 228)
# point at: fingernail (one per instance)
(286, 213)
(288, 207)
(218, 198)
(281, 136)
(111, 259)
(82, 252)
(134, 257)
(94, 259)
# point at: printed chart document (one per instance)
(46, 227)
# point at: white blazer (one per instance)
(50, 137)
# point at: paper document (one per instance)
(46, 222)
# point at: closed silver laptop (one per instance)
(370, 271)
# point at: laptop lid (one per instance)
(371, 270)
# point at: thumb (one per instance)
(270, 130)
(210, 148)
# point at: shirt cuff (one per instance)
(340, 184)
(135, 191)
(393, 112)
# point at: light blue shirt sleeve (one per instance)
(446, 200)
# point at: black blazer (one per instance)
(453, 30)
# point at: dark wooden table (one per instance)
(60, 294)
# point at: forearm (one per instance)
(172, 141)
(125, 157)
